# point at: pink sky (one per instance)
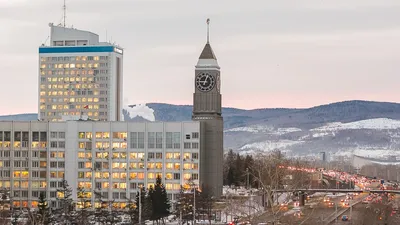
(272, 54)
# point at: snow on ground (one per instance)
(141, 110)
(370, 153)
(251, 129)
(270, 145)
(378, 124)
(287, 130)
(323, 134)
(264, 129)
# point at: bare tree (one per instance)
(5, 206)
(272, 171)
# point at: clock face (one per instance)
(205, 82)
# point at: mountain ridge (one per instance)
(299, 131)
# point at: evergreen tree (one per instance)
(84, 203)
(184, 207)
(145, 205)
(239, 171)
(101, 212)
(205, 203)
(63, 214)
(160, 202)
(230, 168)
(43, 210)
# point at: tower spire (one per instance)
(65, 13)
(208, 30)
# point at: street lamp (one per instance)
(140, 204)
(194, 204)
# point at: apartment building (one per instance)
(79, 77)
(111, 158)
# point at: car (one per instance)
(331, 204)
(342, 200)
(365, 201)
(345, 218)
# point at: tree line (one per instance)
(238, 170)
(154, 204)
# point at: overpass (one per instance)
(339, 191)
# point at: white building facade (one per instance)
(111, 158)
(79, 77)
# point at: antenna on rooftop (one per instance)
(65, 13)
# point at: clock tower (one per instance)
(207, 110)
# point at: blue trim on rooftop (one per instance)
(75, 49)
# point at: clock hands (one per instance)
(205, 80)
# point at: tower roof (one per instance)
(207, 52)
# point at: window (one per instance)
(177, 176)
(53, 134)
(141, 140)
(151, 139)
(61, 135)
(195, 155)
(187, 145)
(53, 144)
(53, 194)
(195, 145)
(187, 136)
(150, 155)
(134, 140)
(119, 135)
(17, 154)
(159, 140)
(61, 144)
(159, 155)
(195, 135)
(168, 140)
(177, 140)
(115, 195)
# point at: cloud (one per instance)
(307, 50)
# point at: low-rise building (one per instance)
(111, 158)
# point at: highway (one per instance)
(318, 212)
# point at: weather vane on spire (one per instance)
(208, 30)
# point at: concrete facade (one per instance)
(79, 77)
(111, 158)
(207, 109)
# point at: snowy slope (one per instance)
(378, 123)
(141, 110)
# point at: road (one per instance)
(319, 213)
(374, 213)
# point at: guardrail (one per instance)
(335, 215)
(340, 191)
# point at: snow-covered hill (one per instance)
(378, 124)
(340, 128)
(379, 137)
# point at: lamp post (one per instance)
(140, 204)
(194, 204)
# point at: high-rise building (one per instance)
(111, 158)
(207, 109)
(79, 77)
